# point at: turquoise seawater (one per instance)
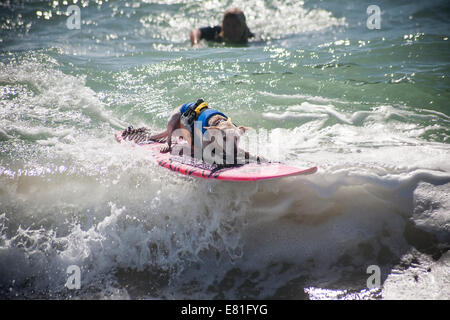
(369, 107)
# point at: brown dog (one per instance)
(222, 134)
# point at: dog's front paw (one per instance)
(165, 148)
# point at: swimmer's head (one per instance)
(234, 26)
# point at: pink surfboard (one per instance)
(246, 172)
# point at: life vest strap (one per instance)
(200, 108)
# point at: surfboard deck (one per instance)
(246, 172)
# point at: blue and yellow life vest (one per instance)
(202, 114)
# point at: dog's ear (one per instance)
(211, 127)
(243, 129)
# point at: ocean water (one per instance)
(369, 107)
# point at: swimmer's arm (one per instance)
(195, 36)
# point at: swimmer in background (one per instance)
(232, 30)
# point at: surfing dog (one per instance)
(209, 133)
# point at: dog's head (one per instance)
(229, 132)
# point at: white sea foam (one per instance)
(425, 279)
(128, 216)
(52, 97)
